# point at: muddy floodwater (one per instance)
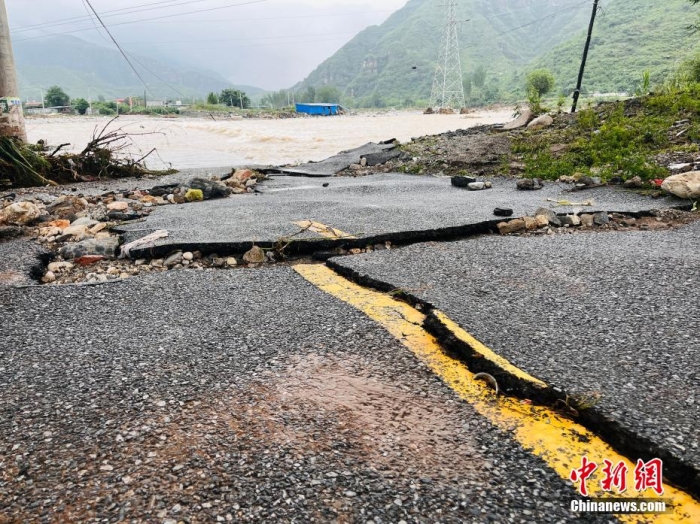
(197, 142)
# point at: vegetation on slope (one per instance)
(503, 41)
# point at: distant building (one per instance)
(319, 109)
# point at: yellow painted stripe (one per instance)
(322, 229)
(560, 442)
(486, 352)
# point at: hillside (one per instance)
(631, 36)
(77, 65)
(504, 39)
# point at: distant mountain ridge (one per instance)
(506, 38)
(77, 65)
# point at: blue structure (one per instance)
(319, 109)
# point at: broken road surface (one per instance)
(371, 209)
(291, 394)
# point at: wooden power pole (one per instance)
(11, 116)
(577, 93)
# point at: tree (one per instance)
(212, 99)
(327, 95)
(479, 77)
(234, 98)
(81, 105)
(540, 81)
(308, 96)
(56, 97)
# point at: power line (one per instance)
(118, 46)
(158, 77)
(121, 12)
(148, 19)
(188, 42)
(551, 15)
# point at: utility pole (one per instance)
(448, 84)
(145, 101)
(577, 93)
(240, 96)
(11, 116)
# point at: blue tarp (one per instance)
(318, 109)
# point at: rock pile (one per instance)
(546, 221)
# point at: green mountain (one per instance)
(79, 66)
(502, 40)
(631, 36)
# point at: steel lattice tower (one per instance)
(448, 85)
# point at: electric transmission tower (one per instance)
(448, 85)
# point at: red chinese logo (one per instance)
(649, 475)
(614, 476)
(583, 473)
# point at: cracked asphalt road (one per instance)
(212, 396)
(592, 312)
(367, 208)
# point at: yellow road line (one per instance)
(486, 352)
(557, 440)
(322, 229)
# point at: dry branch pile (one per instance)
(23, 165)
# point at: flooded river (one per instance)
(196, 142)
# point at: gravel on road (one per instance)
(239, 396)
(611, 314)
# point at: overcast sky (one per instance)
(267, 43)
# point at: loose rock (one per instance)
(634, 183)
(601, 219)
(210, 188)
(255, 256)
(541, 122)
(530, 184)
(686, 185)
(506, 228)
(20, 214)
(105, 247)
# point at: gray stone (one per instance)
(601, 219)
(587, 220)
(210, 188)
(106, 247)
(84, 221)
(173, 259)
(571, 220)
(552, 217)
(541, 122)
(477, 186)
(634, 183)
(680, 168)
(529, 184)
(255, 256)
(524, 119)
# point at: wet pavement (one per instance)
(245, 395)
(606, 317)
(372, 209)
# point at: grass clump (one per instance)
(615, 140)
